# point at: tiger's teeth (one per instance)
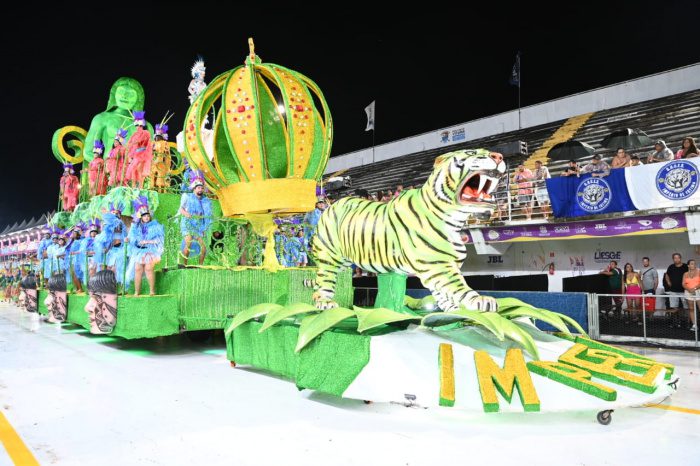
(482, 183)
(492, 186)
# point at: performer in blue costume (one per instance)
(304, 253)
(311, 218)
(58, 255)
(41, 250)
(280, 247)
(48, 254)
(292, 249)
(91, 253)
(73, 261)
(146, 240)
(195, 209)
(112, 242)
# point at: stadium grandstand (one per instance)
(665, 106)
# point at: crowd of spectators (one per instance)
(680, 283)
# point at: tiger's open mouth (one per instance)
(478, 188)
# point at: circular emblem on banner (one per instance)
(677, 180)
(593, 194)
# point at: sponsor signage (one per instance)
(654, 224)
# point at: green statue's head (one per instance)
(126, 93)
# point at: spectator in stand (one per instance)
(399, 189)
(662, 154)
(386, 196)
(621, 159)
(572, 169)
(674, 282)
(691, 284)
(523, 179)
(541, 174)
(614, 285)
(650, 277)
(501, 198)
(688, 149)
(597, 168)
(374, 197)
(635, 162)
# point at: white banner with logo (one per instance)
(661, 185)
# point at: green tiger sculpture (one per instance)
(416, 233)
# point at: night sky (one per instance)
(426, 69)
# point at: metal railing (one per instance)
(644, 318)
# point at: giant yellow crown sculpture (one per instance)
(271, 141)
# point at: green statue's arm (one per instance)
(96, 131)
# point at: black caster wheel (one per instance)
(605, 417)
(366, 402)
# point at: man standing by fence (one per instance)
(674, 283)
(650, 277)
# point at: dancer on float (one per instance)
(140, 152)
(197, 84)
(58, 255)
(196, 212)
(45, 242)
(161, 162)
(96, 171)
(89, 250)
(70, 188)
(111, 241)
(74, 258)
(116, 162)
(146, 240)
(48, 254)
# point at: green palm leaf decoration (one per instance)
(372, 318)
(284, 312)
(251, 313)
(313, 326)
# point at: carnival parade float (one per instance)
(207, 225)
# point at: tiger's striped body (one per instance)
(416, 233)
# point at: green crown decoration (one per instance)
(270, 140)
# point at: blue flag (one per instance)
(515, 74)
(572, 196)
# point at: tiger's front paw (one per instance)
(323, 303)
(481, 304)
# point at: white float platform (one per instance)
(77, 399)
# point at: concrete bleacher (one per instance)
(669, 118)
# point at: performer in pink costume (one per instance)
(140, 152)
(96, 171)
(116, 162)
(70, 188)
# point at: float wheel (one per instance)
(605, 417)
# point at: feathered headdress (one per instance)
(94, 226)
(121, 135)
(98, 147)
(198, 68)
(79, 227)
(141, 206)
(115, 207)
(140, 118)
(196, 179)
(162, 128)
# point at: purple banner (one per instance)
(654, 224)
